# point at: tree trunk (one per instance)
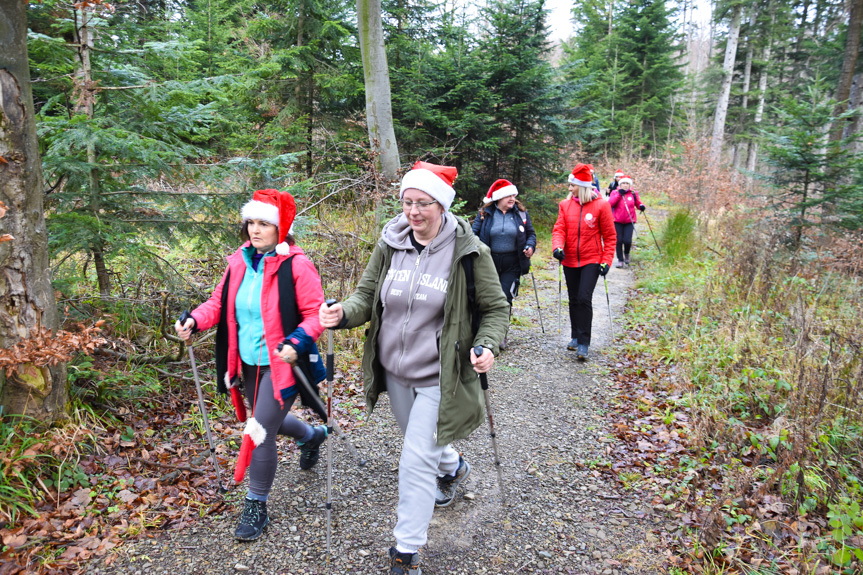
(747, 79)
(26, 296)
(725, 89)
(849, 63)
(84, 100)
(762, 91)
(379, 113)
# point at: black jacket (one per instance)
(526, 237)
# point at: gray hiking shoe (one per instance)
(572, 345)
(447, 485)
(582, 351)
(404, 563)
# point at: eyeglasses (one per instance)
(421, 206)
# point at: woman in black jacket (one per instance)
(503, 224)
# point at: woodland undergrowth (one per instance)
(738, 391)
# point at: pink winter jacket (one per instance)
(624, 209)
(309, 294)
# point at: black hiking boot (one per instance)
(310, 451)
(404, 563)
(252, 521)
(447, 485)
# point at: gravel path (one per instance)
(561, 516)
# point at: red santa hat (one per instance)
(275, 207)
(619, 174)
(581, 176)
(432, 179)
(625, 180)
(499, 190)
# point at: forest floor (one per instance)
(564, 511)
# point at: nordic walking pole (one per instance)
(608, 301)
(538, 309)
(559, 267)
(331, 368)
(651, 232)
(483, 382)
(182, 321)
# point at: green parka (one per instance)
(461, 405)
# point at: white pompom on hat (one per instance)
(625, 180)
(499, 190)
(432, 179)
(275, 207)
(581, 176)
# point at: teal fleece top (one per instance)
(253, 348)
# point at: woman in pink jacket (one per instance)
(624, 201)
(269, 295)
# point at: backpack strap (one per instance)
(467, 264)
(222, 337)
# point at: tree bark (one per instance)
(849, 63)
(762, 92)
(747, 79)
(725, 89)
(26, 295)
(379, 114)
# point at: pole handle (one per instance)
(483, 377)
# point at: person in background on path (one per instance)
(624, 201)
(253, 319)
(614, 183)
(420, 344)
(583, 241)
(504, 225)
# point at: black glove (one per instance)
(558, 254)
(642, 207)
(603, 269)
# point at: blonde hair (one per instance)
(585, 195)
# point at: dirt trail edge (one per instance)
(563, 514)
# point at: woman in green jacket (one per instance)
(413, 292)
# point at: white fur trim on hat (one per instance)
(255, 431)
(575, 182)
(255, 210)
(625, 181)
(430, 183)
(502, 193)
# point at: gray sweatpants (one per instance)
(421, 463)
(276, 421)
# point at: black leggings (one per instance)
(509, 271)
(580, 283)
(624, 239)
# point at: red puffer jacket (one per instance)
(586, 233)
(309, 295)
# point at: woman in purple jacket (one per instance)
(624, 201)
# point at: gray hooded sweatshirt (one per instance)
(413, 296)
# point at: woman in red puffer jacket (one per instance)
(583, 241)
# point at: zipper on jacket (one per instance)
(410, 308)
(578, 243)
